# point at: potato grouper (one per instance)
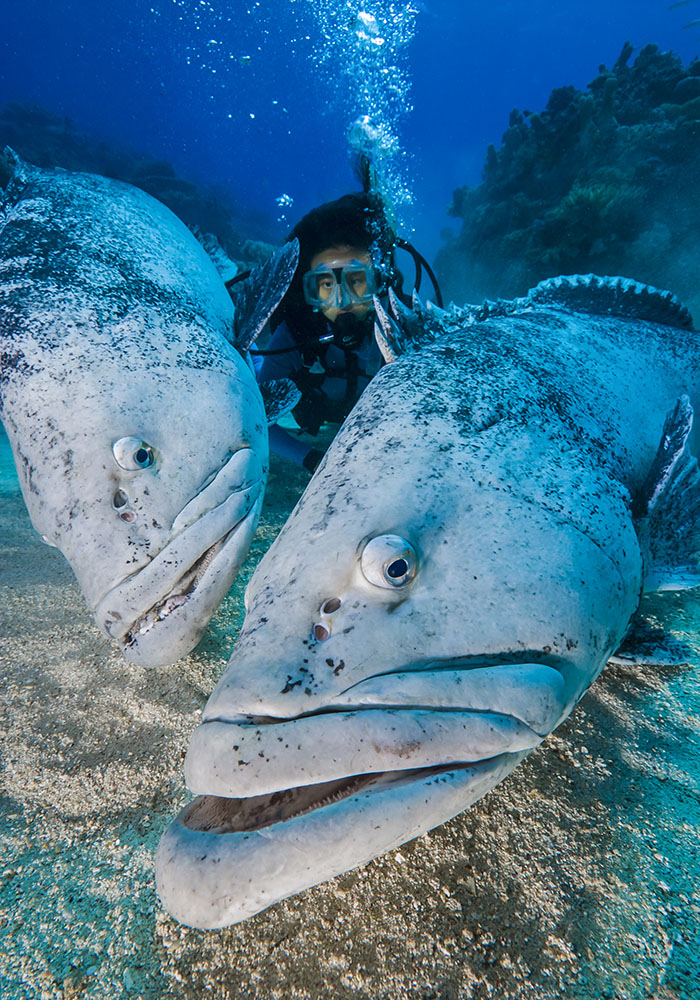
(469, 554)
(137, 427)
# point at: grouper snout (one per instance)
(180, 588)
(371, 687)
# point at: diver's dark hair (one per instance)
(355, 220)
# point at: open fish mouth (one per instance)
(219, 816)
(210, 539)
(222, 860)
(186, 587)
(284, 804)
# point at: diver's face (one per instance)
(341, 257)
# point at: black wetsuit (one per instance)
(330, 379)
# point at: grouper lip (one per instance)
(208, 526)
(195, 580)
(483, 713)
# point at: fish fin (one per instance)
(674, 438)
(387, 334)
(651, 645)
(279, 397)
(420, 324)
(226, 267)
(256, 298)
(437, 312)
(612, 296)
(667, 508)
(403, 329)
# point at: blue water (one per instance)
(239, 93)
(8, 475)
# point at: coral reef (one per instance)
(603, 180)
(48, 140)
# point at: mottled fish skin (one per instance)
(137, 428)
(495, 468)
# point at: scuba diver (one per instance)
(323, 330)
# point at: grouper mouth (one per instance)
(218, 816)
(185, 590)
(283, 804)
(442, 714)
(190, 575)
(222, 860)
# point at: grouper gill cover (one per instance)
(466, 559)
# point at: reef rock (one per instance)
(602, 180)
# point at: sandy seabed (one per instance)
(578, 877)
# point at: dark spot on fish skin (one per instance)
(307, 691)
(348, 629)
(330, 662)
(290, 685)
(10, 362)
(235, 747)
(243, 763)
(547, 649)
(341, 665)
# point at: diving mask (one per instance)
(327, 287)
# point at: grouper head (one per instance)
(154, 498)
(451, 581)
(137, 426)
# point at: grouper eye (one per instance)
(389, 561)
(132, 454)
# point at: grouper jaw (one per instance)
(215, 867)
(218, 815)
(152, 611)
(195, 578)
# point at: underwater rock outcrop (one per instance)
(49, 140)
(602, 180)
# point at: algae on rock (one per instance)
(603, 180)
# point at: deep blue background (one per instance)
(144, 73)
